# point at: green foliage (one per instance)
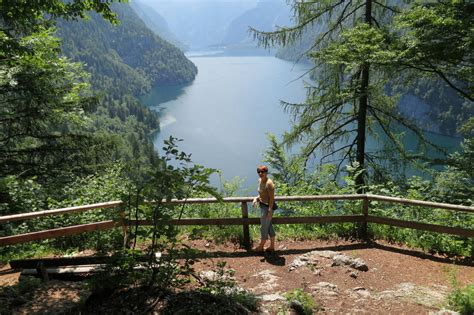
(53, 127)
(173, 176)
(435, 39)
(361, 43)
(456, 183)
(27, 195)
(435, 47)
(125, 61)
(47, 134)
(123, 271)
(359, 49)
(45, 126)
(461, 299)
(220, 281)
(285, 169)
(107, 185)
(219, 234)
(27, 16)
(125, 58)
(302, 302)
(416, 188)
(60, 144)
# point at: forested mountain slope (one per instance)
(130, 54)
(156, 23)
(125, 61)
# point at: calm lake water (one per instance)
(224, 114)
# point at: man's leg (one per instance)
(264, 229)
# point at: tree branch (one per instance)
(324, 137)
(387, 7)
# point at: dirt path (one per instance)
(397, 280)
(342, 277)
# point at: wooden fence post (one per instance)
(245, 216)
(42, 272)
(365, 213)
(124, 224)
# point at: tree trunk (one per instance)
(362, 113)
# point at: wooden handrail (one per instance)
(421, 203)
(363, 218)
(43, 213)
(112, 204)
(53, 233)
(277, 198)
(421, 226)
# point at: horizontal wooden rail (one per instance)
(255, 221)
(43, 213)
(250, 199)
(420, 203)
(53, 233)
(421, 226)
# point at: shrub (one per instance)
(301, 302)
(462, 299)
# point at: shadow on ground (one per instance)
(277, 257)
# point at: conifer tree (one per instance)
(353, 63)
(44, 98)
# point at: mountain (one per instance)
(124, 61)
(129, 54)
(265, 16)
(200, 24)
(156, 23)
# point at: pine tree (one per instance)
(45, 101)
(354, 62)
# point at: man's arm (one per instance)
(255, 200)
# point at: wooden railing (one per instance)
(245, 221)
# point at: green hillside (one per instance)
(124, 61)
(130, 54)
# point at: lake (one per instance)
(223, 116)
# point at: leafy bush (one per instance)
(29, 195)
(462, 300)
(154, 267)
(301, 302)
